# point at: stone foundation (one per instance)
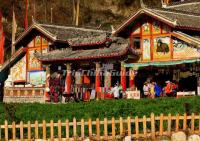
(23, 99)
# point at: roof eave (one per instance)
(148, 12)
(40, 29)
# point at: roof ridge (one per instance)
(180, 4)
(195, 39)
(177, 12)
(73, 27)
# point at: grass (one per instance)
(96, 109)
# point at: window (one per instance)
(136, 42)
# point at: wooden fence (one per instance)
(105, 129)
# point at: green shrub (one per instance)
(96, 109)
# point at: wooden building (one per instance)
(154, 43)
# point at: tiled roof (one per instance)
(175, 18)
(89, 40)
(64, 32)
(117, 47)
(181, 19)
(192, 6)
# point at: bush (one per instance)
(97, 109)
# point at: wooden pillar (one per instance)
(97, 78)
(107, 79)
(123, 76)
(68, 80)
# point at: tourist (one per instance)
(115, 91)
(146, 89)
(168, 88)
(120, 91)
(152, 89)
(158, 90)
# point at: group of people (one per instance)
(152, 89)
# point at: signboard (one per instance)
(37, 77)
(133, 94)
(189, 93)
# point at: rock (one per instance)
(86, 139)
(163, 138)
(178, 136)
(194, 138)
(127, 138)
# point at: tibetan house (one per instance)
(156, 44)
(59, 59)
(169, 39)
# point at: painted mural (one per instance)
(156, 27)
(146, 49)
(37, 78)
(18, 71)
(146, 28)
(33, 62)
(161, 48)
(44, 41)
(136, 30)
(38, 41)
(166, 29)
(184, 50)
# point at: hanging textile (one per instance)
(2, 40)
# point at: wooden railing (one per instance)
(105, 129)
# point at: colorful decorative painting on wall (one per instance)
(156, 27)
(37, 78)
(38, 41)
(146, 49)
(166, 29)
(146, 28)
(161, 48)
(184, 50)
(18, 71)
(33, 62)
(44, 41)
(45, 50)
(136, 30)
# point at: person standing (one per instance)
(168, 89)
(152, 90)
(158, 90)
(115, 91)
(146, 89)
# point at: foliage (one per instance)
(97, 109)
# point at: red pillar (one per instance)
(68, 80)
(97, 78)
(123, 76)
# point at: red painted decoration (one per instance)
(97, 81)
(123, 79)
(2, 40)
(68, 83)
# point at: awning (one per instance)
(162, 64)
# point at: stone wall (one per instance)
(23, 99)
